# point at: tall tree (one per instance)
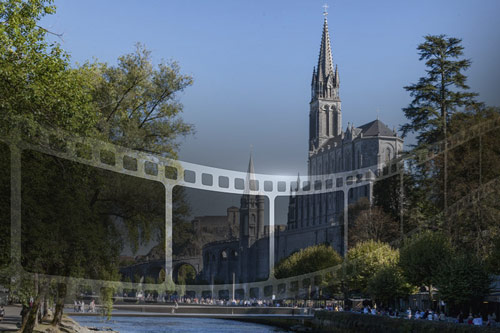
(133, 104)
(436, 97)
(474, 179)
(439, 94)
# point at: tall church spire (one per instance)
(325, 119)
(252, 183)
(325, 79)
(325, 62)
(251, 171)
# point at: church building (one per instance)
(315, 219)
(312, 218)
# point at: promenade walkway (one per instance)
(11, 318)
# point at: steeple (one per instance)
(251, 210)
(325, 79)
(325, 62)
(252, 183)
(325, 117)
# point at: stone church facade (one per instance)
(248, 255)
(314, 218)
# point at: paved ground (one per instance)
(12, 317)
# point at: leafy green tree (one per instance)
(39, 89)
(422, 257)
(364, 260)
(138, 105)
(5, 247)
(161, 276)
(462, 280)
(37, 85)
(186, 274)
(493, 260)
(388, 284)
(308, 260)
(473, 181)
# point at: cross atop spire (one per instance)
(325, 10)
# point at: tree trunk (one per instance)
(61, 295)
(430, 297)
(31, 317)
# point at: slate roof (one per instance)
(371, 129)
(376, 128)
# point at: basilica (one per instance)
(312, 218)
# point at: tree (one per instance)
(462, 280)
(364, 260)
(439, 94)
(137, 103)
(436, 97)
(388, 284)
(422, 256)
(133, 104)
(493, 260)
(373, 224)
(473, 180)
(38, 88)
(308, 260)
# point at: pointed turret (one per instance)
(337, 80)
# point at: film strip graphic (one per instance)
(173, 173)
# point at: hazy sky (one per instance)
(252, 62)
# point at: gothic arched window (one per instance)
(223, 255)
(388, 154)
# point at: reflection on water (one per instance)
(173, 324)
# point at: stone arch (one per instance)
(154, 271)
(184, 267)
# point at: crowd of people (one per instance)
(477, 319)
(164, 298)
(433, 315)
(79, 306)
(416, 314)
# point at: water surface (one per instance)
(173, 324)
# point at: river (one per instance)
(173, 324)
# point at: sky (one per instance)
(252, 61)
